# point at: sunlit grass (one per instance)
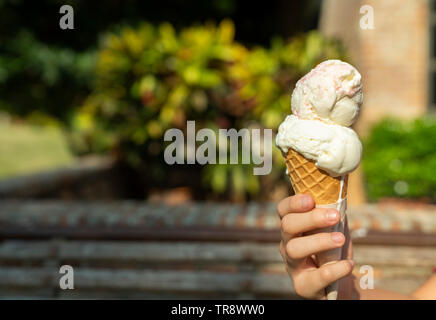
(26, 149)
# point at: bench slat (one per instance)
(202, 252)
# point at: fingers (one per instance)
(301, 247)
(296, 266)
(293, 224)
(295, 204)
(298, 248)
(310, 283)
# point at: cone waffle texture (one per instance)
(307, 178)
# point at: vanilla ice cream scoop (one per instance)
(331, 92)
(334, 148)
(324, 103)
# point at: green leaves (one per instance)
(152, 78)
(400, 159)
(236, 180)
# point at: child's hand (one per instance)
(298, 215)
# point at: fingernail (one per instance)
(352, 263)
(332, 215)
(337, 237)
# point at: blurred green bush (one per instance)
(400, 159)
(150, 79)
(38, 80)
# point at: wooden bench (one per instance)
(131, 249)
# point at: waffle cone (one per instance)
(307, 178)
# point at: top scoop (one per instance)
(324, 103)
(331, 92)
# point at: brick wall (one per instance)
(392, 57)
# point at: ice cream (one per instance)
(331, 93)
(319, 148)
(334, 148)
(324, 103)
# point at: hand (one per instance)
(299, 215)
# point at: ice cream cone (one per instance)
(325, 103)
(327, 192)
(307, 178)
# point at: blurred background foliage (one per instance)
(44, 69)
(132, 69)
(400, 159)
(115, 83)
(149, 79)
